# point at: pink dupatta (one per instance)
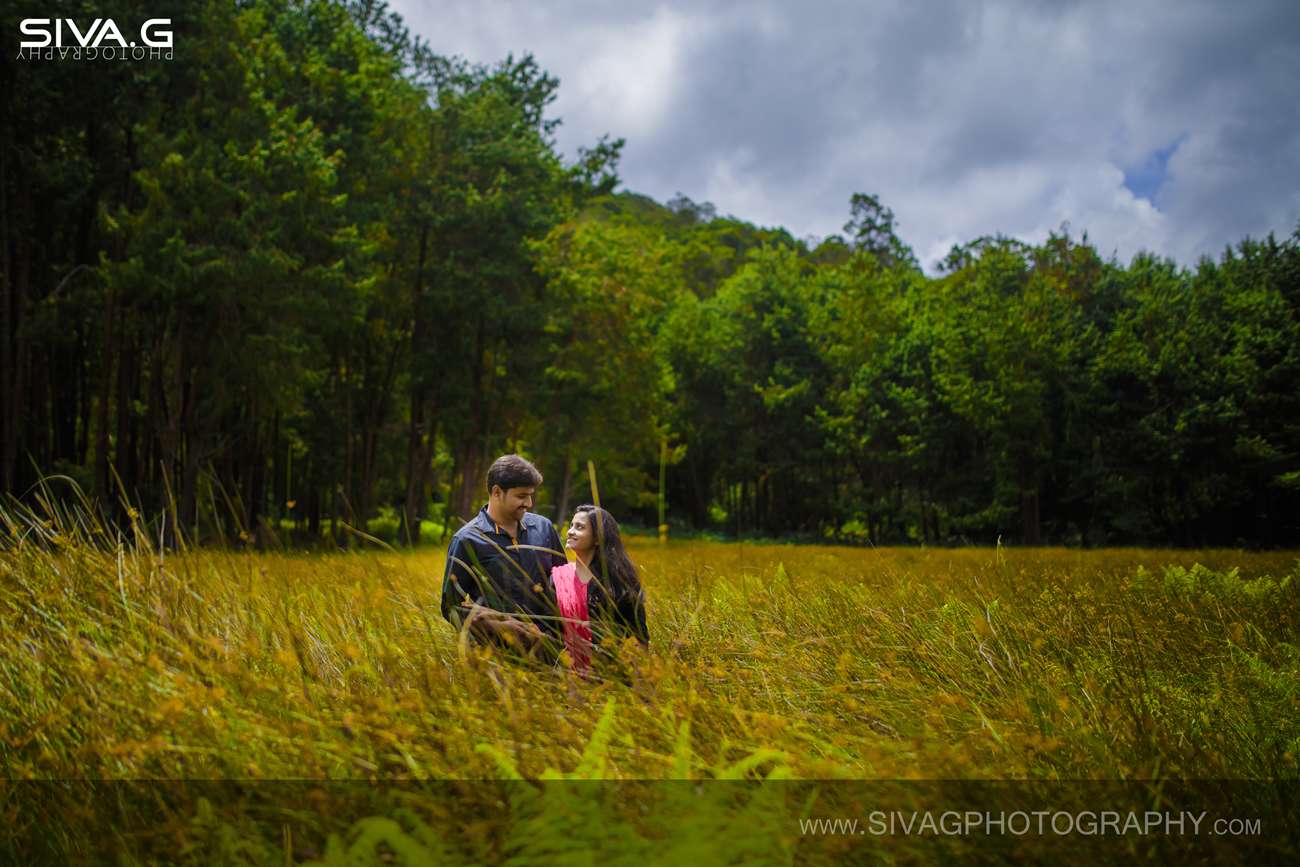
(571, 594)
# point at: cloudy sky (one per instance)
(1169, 126)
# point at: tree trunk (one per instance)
(471, 479)
(103, 480)
(473, 445)
(40, 429)
(84, 411)
(278, 490)
(419, 455)
(417, 450)
(1029, 518)
(1031, 526)
(162, 425)
(187, 440)
(9, 308)
(341, 496)
(314, 510)
(122, 459)
(250, 468)
(376, 413)
(413, 502)
(699, 494)
(22, 270)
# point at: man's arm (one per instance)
(488, 623)
(463, 601)
(459, 585)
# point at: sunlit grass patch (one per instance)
(120, 660)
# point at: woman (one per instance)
(599, 594)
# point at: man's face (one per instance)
(514, 502)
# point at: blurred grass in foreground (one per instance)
(120, 661)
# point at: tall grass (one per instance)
(120, 660)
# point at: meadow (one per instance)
(233, 706)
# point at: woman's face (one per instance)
(582, 536)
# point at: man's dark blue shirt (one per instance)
(485, 565)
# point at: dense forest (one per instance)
(308, 273)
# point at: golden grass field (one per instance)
(765, 662)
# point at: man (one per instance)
(498, 575)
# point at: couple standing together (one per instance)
(508, 583)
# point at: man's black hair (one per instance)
(512, 471)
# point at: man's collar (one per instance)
(485, 522)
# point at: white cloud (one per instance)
(732, 180)
(628, 75)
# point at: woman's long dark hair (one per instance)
(616, 597)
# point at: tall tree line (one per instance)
(1034, 393)
(279, 272)
(308, 272)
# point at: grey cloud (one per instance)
(967, 118)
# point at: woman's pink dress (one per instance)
(571, 593)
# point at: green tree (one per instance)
(603, 385)
(882, 416)
(1007, 334)
(747, 377)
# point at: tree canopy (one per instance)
(308, 273)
